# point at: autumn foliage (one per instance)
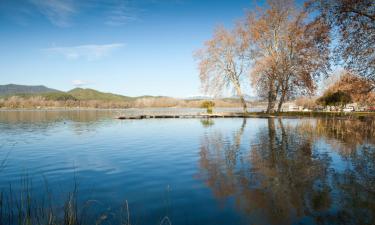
(350, 86)
(289, 52)
(353, 23)
(285, 49)
(281, 50)
(223, 63)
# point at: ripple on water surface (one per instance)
(219, 171)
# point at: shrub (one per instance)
(338, 98)
(208, 105)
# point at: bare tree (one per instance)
(265, 27)
(223, 62)
(289, 52)
(305, 55)
(353, 22)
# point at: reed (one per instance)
(24, 207)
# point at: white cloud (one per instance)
(58, 12)
(88, 52)
(80, 83)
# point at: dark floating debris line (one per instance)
(202, 116)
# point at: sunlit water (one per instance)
(220, 171)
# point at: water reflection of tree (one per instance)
(283, 178)
(207, 122)
(219, 157)
(289, 180)
(346, 134)
(354, 140)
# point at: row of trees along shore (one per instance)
(283, 49)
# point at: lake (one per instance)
(187, 171)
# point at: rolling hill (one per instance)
(26, 91)
(85, 94)
(91, 94)
(22, 96)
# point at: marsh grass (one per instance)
(24, 207)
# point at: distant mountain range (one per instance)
(82, 94)
(53, 94)
(11, 89)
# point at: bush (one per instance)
(338, 98)
(208, 105)
(59, 97)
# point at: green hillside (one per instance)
(83, 94)
(51, 96)
(90, 94)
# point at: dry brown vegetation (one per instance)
(360, 90)
(306, 102)
(16, 102)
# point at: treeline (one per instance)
(341, 89)
(19, 102)
(348, 88)
(284, 49)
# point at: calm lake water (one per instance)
(219, 171)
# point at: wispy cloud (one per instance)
(80, 83)
(121, 14)
(58, 12)
(88, 52)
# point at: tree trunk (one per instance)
(281, 101)
(242, 98)
(244, 105)
(271, 106)
(271, 98)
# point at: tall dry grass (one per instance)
(23, 206)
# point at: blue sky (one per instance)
(139, 47)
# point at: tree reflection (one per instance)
(346, 135)
(354, 141)
(285, 178)
(207, 122)
(289, 179)
(218, 157)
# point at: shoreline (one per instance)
(337, 115)
(221, 112)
